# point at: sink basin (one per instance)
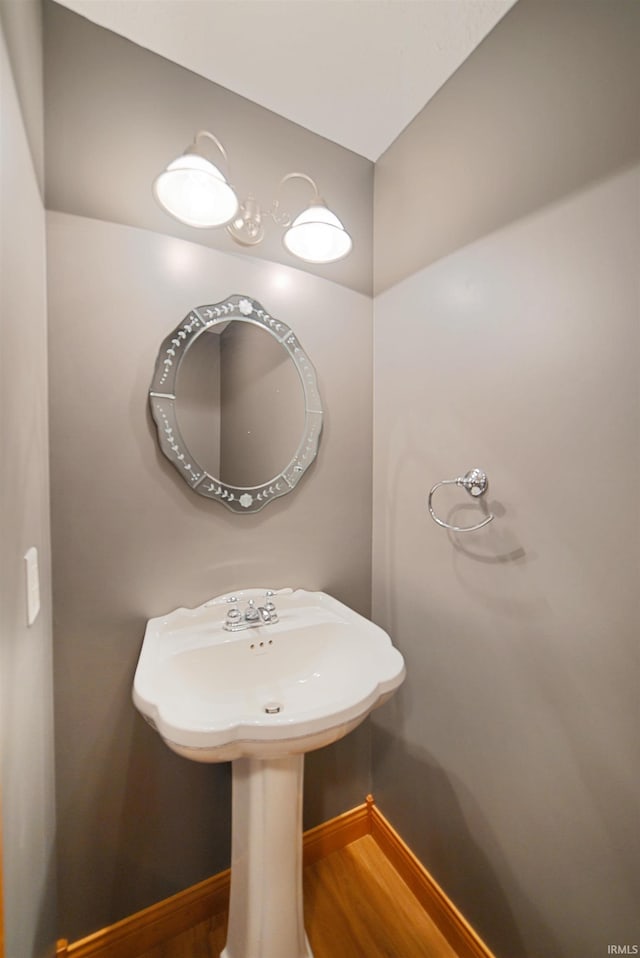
(270, 690)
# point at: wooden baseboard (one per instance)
(152, 926)
(336, 833)
(453, 926)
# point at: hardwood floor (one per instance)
(356, 906)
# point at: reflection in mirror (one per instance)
(198, 401)
(240, 403)
(236, 404)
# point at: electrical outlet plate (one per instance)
(32, 584)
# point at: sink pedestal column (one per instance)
(265, 911)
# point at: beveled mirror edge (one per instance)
(240, 499)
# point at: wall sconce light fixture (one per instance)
(195, 192)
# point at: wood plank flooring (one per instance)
(356, 906)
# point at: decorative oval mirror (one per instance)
(235, 400)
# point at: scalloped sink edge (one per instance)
(205, 690)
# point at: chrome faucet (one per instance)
(254, 615)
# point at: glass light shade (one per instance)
(317, 236)
(195, 192)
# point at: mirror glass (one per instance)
(240, 403)
(235, 400)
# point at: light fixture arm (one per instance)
(299, 176)
(284, 219)
(210, 136)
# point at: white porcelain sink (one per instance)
(263, 697)
(271, 690)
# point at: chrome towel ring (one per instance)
(476, 483)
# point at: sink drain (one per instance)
(272, 708)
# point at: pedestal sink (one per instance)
(292, 672)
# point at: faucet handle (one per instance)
(233, 612)
(251, 613)
(269, 604)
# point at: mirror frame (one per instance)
(162, 400)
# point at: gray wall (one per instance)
(509, 761)
(131, 540)
(23, 30)
(546, 104)
(26, 745)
